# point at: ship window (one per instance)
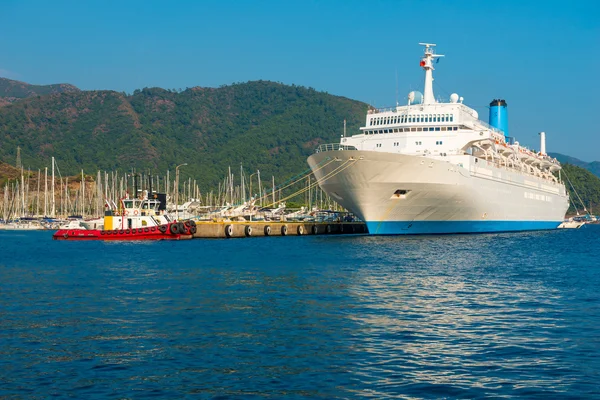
(437, 128)
(413, 129)
(419, 129)
(451, 118)
(455, 128)
(443, 128)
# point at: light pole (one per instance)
(177, 190)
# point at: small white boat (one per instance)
(572, 223)
(23, 224)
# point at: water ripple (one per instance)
(466, 316)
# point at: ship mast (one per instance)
(427, 64)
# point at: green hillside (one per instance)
(583, 184)
(263, 125)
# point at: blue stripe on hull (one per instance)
(442, 227)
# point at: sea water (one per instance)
(455, 316)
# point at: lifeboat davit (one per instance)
(170, 231)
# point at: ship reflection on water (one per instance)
(452, 312)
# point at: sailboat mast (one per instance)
(53, 209)
(45, 191)
(37, 205)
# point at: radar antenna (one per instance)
(427, 64)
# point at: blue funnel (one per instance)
(499, 116)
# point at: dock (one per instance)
(241, 229)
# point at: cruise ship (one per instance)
(433, 167)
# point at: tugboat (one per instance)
(134, 219)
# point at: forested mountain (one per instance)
(263, 125)
(11, 91)
(593, 167)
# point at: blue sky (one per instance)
(541, 56)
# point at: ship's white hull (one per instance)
(410, 194)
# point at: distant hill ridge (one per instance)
(593, 167)
(11, 90)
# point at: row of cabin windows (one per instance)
(402, 119)
(418, 129)
(417, 143)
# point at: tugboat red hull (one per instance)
(172, 231)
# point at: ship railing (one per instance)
(474, 123)
(333, 146)
(382, 110)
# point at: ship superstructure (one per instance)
(435, 167)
